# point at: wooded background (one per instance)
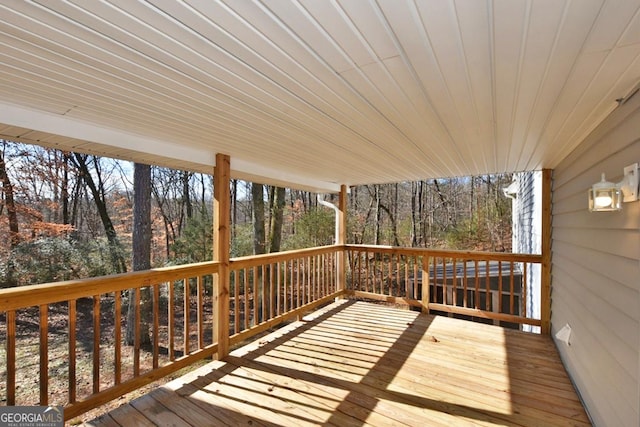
(68, 215)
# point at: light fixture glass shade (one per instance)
(605, 196)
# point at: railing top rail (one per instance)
(255, 260)
(49, 293)
(446, 253)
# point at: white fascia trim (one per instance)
(73, 128)
(57, 124)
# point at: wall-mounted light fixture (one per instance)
(608, 196)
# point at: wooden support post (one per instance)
(425, 283)
(342, 238)
(221, 249)
(545, 287)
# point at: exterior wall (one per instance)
(527, 233)
(596, 273)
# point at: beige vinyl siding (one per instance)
(596, 273)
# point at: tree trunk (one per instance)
(378, 216)
(186, 177)
(257, 199)
(12, 215)
(65, 189)
(259, 245)
(278, 216)
(141, 252)
(14, 230)
(414, 220)
(234, 208)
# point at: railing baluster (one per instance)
(414, 282)
(256, 297)
(264, 288)
(464, 283)
(367, 275)
(524, 290)
(380, 263)
(325, 259)
(488, 286)
(200, 313)
(96, 343)
(272, 293)
(445, 286)
(171, 321)
(11, 358)
(304, 280)
(309, 279)
(44, 355)
(236, 301)
(512, 290)
(315, 278)
(321, 276)
(389, 274)
(500, 288)
(357, 260)
(277, 288)
(299, 282)
(476, 302)
(454, 281)
(285, 286)
(156, 325)
(246, 306)
(136, 335)
(71, 323)
(186, 315)
(117, 348)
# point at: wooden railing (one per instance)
(478, 285)
(269, 289)
(73, 334)
(66, 342)
(77, 321)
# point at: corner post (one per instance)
(545, 288)
(221, 249)
(342, 238)
(425, 283)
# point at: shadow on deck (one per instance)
(358, 363)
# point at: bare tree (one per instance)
(257, 201)
(97, 190)
(7, 189)
(141, 259)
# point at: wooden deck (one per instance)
(357, 363)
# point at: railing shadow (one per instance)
(349, 399)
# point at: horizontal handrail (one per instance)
(448, 253)
(256, 260)
(50, 293)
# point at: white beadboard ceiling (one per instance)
(317, 93)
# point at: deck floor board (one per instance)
(357, 363)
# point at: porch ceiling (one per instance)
(313, 93)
